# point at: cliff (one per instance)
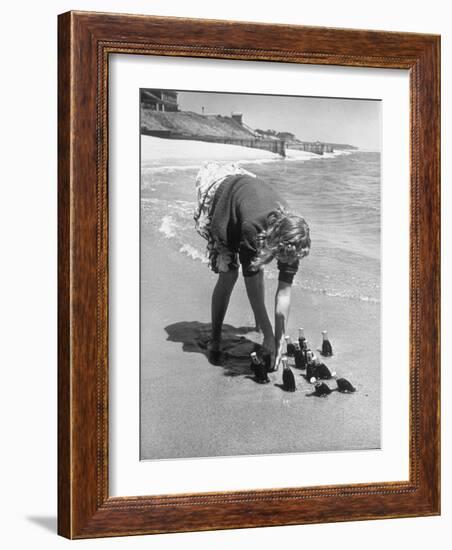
(211, 128)
(192, 125)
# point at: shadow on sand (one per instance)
(236, 348)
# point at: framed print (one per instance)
(248, 275)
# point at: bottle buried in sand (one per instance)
(322, 371)
(311, 367)
(287, 376)
(290, 347)
(315, 370)
(327, 349)
(343, 385)
(322, 389)
(259, 369)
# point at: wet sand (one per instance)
(191, 408)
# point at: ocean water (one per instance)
(339, 195)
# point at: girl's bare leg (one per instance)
(220, 301)
(261, 291)
(254, 289)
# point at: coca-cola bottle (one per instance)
(301, 337)
(290, 347)
(304, 351)
(287, 376)
(259, 369)
(311, 367)
(300, 358)
(327, 349)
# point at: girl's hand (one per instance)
(282, 307)
(273, 358)
(277, 362)
(269, 348)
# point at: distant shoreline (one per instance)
(160, 153)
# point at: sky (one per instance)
(353, 121)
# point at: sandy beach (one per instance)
(191, 408)
(156, 151)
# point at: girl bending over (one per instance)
(244, 220)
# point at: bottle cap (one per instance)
(301, 333)
(284, 361)
(324, 333)
(254, 358)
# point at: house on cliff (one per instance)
(159, 100)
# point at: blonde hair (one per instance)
(285, 234)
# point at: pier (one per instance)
(316, 147)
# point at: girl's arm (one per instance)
(282, 308)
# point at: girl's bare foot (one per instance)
(214, 354)
(213, 345)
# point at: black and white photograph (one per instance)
(260, 274)
(224, 235)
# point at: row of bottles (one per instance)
(300, 348)
(304, 359)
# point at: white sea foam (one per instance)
(168, 227)
(154, 168)
(193, 253)
(344, 294)
(157, 168)
(335, 154)
(184, 209)
(296, 154)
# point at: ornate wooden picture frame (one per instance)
(86, 40)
